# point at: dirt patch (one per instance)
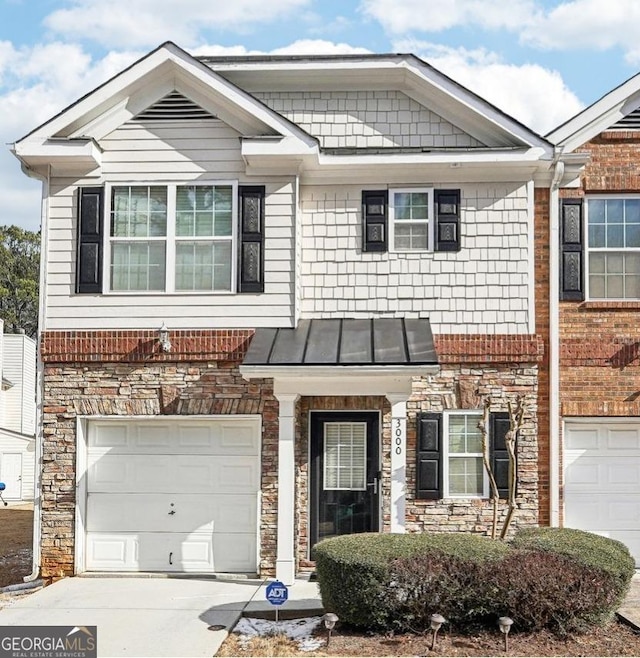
(613, 640)
(16, 544)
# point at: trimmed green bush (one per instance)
(547, 578)
(359, 574)
(591, 550)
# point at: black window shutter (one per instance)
(447, 207)
(374, 220)
(498, 456)
(251, 251)
(90, 239)
(429, 457)
(571, 250)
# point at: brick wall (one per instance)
(541, 236)
(600, 340)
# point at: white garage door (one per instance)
(602, 480)
(179, 495)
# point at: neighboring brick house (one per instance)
(275, 295)
(597, 334)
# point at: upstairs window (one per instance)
(411, 219)
(172, 238)
(613, 247)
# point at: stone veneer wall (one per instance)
(184, 388)
(124, 374)
(436, 393)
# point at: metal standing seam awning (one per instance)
(393, 343)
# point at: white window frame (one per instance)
(170, 238)
(477, 414)
(603, 250)
(392, 219)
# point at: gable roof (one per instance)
(74, 131)
(223, 88)
(403, 72)
(603, 114)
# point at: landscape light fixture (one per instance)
(329, 619)
(163, 338)
(436, 621)
(505, 626)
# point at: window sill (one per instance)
(606, 305)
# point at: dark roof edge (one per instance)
(208, 59)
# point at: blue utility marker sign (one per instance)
(277, 593)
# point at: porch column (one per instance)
(285, 558)
(398, 460)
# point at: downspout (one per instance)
(297, 252)
(554, 346)
(37, 494)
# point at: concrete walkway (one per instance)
(630, 610)
(139, 616)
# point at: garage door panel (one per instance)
(185, 552)
(601, 474)
(151, 513)
(173, 495)
(622, 439)
(204, 437)
(582, 438)
(602, 480)
(235, 553)
(592, 512)
(111, 473)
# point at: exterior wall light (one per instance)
(163, 338)
(329, 619)
(505, 624)
(436, 621)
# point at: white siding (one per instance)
(2, 396)
(19, 367)
(194, 151)
(357, 119)
(26, 447)
(484, 288)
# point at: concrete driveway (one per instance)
(139, 616)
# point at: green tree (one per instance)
(19, 278)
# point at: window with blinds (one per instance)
(345, 456)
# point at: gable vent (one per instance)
(630, 122)
(174, 107)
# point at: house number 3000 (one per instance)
(398, 435)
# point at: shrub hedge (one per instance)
(561, 580)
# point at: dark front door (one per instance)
(345, 473)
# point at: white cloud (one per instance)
(35, 84)
(536, 96)
(300, 47)
(147, 23)
(588, 24)
(569, 25)
(411, 16)
(319, 47)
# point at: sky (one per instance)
(541, 61)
